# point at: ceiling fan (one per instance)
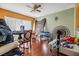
(35, 7)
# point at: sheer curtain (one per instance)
(15, 23)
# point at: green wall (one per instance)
(65, 17)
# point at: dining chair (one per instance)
(27, 37)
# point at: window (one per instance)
(15, 23)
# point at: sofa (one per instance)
(4, 50)
(64, 51)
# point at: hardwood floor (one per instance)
(39, 48)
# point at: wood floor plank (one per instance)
(39, 48)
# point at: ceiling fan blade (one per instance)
(39, 6)
(38, 10)
(33, 10)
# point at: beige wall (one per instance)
(65, 18)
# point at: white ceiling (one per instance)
(47, 8)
